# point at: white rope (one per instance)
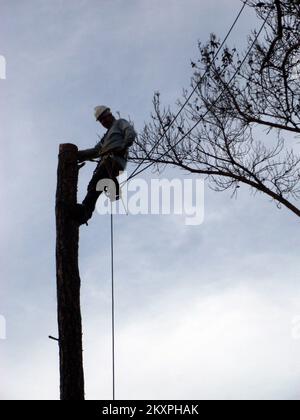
(112, 302)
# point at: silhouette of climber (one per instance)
(113, 152)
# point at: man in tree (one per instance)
(113, 153)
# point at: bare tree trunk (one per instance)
(68, 279)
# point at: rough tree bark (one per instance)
(68, 279)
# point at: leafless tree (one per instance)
(242, 122)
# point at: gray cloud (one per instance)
(210, 308)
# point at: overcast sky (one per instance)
(201, 311)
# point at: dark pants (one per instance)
(106, 169)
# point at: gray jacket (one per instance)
(116, 141)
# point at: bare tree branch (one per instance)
(231, 145)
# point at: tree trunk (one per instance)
(68, 279)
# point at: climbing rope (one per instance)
(109, 195)
(112, 302)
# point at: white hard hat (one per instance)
(99, 110)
